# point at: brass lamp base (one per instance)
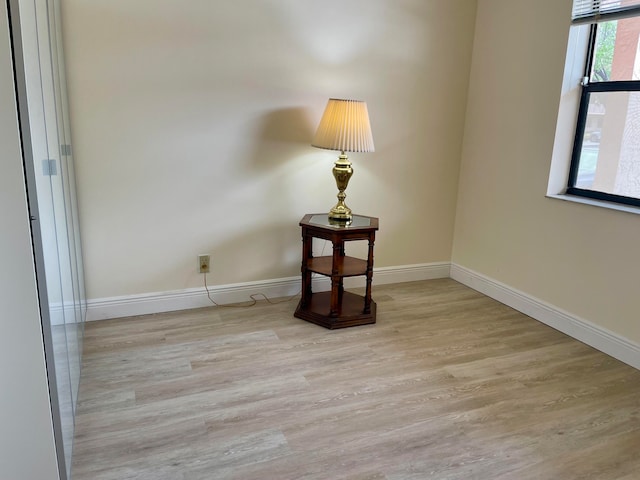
(340, 213)
(342, 172)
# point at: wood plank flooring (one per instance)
(449, 384)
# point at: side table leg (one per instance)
(367, 295)
(341, 279)
(336, 280)
(306, 273)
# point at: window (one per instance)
(605, 163)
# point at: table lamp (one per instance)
(344, 127)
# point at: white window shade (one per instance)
(591, 11)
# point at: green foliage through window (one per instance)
(605, 46)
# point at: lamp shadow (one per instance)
(267, 251)
(287, 125)
(280, 136)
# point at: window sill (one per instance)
(596, 203)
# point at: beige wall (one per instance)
(27, 449)
(192, 123)
(580, 258)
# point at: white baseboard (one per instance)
(146, 303)
(410, 273)
(63, 313)
(131, 305)
(578, 328)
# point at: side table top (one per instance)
(358, 222)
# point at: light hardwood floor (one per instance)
(449, 384)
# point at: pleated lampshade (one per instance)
(344, 127)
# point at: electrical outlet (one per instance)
(203, 263)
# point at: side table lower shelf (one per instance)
(350, 314)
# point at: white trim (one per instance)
(146, 303)
(410, 273)
(597, 203)
(577, 47)
(578, 328)
(56, 314)
(62, 313)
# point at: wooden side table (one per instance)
(336, 308)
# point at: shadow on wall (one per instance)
(280, 135)
(270, 250)
(268, 246)
(280, 160)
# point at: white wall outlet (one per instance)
(204, 263)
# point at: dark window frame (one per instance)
(587, 89)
